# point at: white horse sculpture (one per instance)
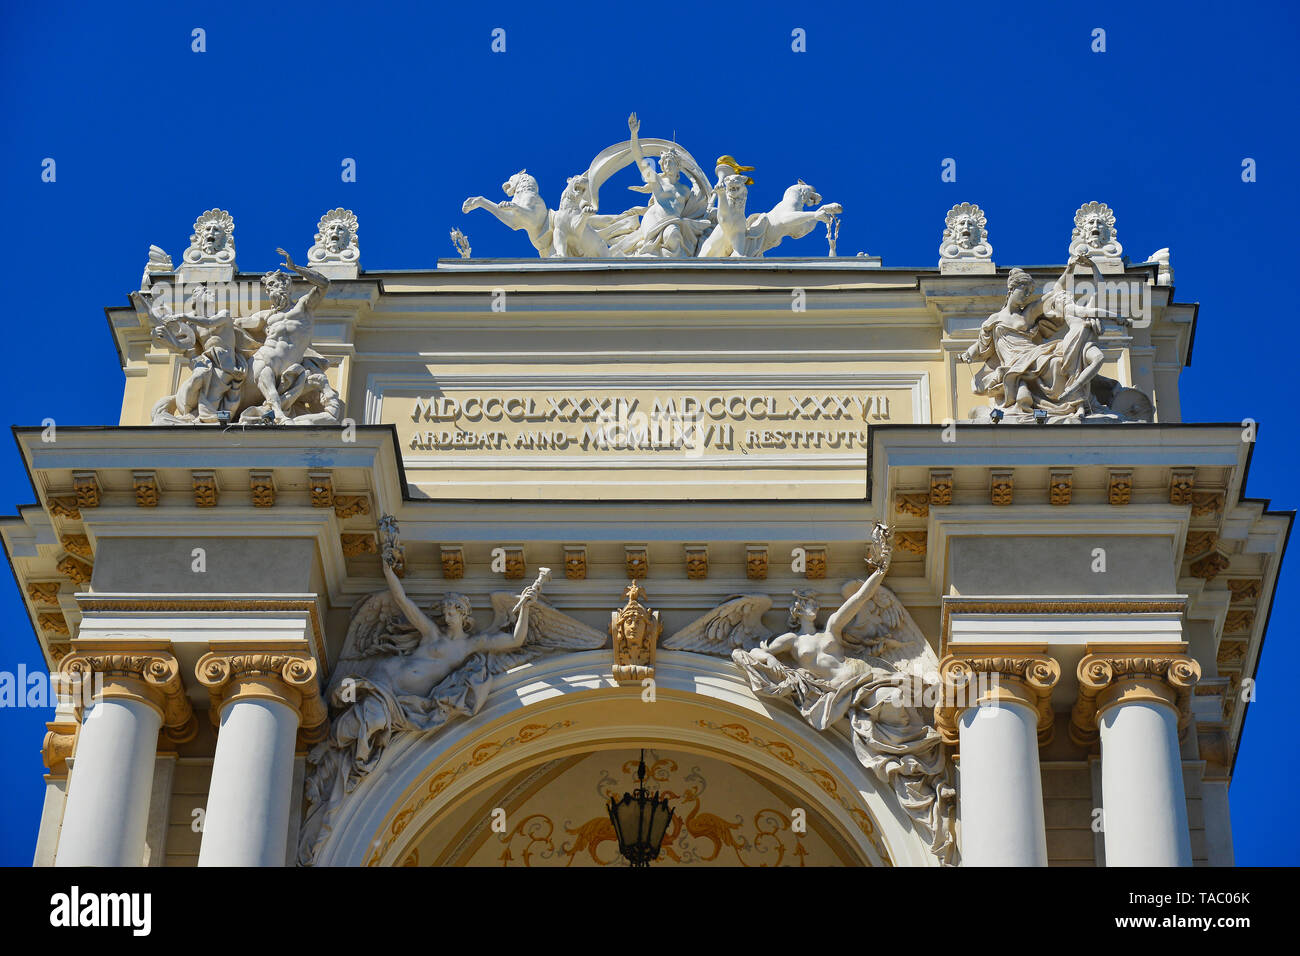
(572, 225)
(789, 218)
(524, 210)
(738, 235)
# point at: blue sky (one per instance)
(146, 134)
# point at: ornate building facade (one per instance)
(880, 566)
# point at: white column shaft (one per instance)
(107, 812)
(247, 817)
(1143, 801)
(1001, 787)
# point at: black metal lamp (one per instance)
(640, 821)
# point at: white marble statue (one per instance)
(730, 237)
(523, 209)
(869, 664)
(400, 671)
(789, 219)
(217, 353)
(282, 367)
(683, 208)
(964, 234)
(573, 232)
(1040, 353)
(676, 217)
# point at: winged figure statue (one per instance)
(401, 671)
(869, 663)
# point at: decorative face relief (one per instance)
(1094, 232)
(213, 240)
(964, 235)
(336, 238)
(635, 631)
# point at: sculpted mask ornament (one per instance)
(635, 631)
(964, 235)
(1094, 232)
(336, 238)
(213, 239)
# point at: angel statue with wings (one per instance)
(401, 671)
(869, 663)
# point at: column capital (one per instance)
(1108, 677)
(149, 675)
(281, 674)
(972, 677)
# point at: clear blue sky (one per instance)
(146, 134)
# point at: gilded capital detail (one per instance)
(285, 676)
(988, 679)
(1114, 677)
(152, 676)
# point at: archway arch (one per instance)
(571, 705)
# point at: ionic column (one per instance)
(259, 702)
(107, 810)
(998, 711)
(1138, 704)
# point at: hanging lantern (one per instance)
(640, 821)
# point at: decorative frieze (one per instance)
(347, 506)
(145, 486)
(320, 485)
(1238, 621)
(204, 485)
(515, 568)
(1199, 542)
(1244, 589)
(1117, 677)
(1119, 489)
(76, 570)
(697, 562)
(1210, 566)
(940, 486)
(634, 631)
(1181, 483)
(453, 562)
(1060, 487)
(815, 562)
(64, 506)
(85, 485)
(1206, 503)
(979, 677)
(637, 561)
(917, 505)
(288, 677)
(262, 486)
(1232, 653)
(1001, 487)
(150, 675)
(575, 562)
(44, 592)
(355, 545)
(52, 622)
(756, 562)
(913, 541)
